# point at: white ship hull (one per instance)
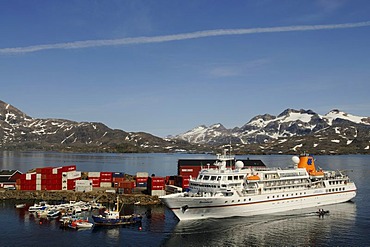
(193, 208)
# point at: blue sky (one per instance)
(164, 67)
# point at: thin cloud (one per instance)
(176, 37)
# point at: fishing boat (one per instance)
(113, 218)
(245, 191)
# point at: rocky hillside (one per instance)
(290, 132)
(18, 131)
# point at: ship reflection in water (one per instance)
(294, 228)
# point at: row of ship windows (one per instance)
(277, 196)
(249, 199)
(287, 195)
(336, 189)
(286, 182)
(335, 182)
(279, 188)
(218, 178)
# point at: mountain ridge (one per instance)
(268, 133)
(292, 131)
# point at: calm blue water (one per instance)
(347, 224)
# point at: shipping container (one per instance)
(73, 174)
(157, 193)
(105, 185)
(81, 188)
(106, 179)
(105, 174)
(83, 183)
(125, 184)
(69, 168)
(118, 175)
(93, 174)
(118, 179)
(142, 174)
(141, 185)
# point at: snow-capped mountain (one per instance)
(269, 131)
(22, 132)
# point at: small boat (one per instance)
(22, 205)
(84, 224)
(113, 218)
(53, 213)
(322, 212)
(37, 207)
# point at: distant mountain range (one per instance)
(290, 132)
(18, 131)
(293, 131)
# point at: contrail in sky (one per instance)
(175, 37)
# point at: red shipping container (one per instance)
(141, 179)
(69, 168)
(118, 179)
(127, 184)
(106, 179)
(106, 174)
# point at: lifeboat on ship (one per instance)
(317, 174)
(253, 178)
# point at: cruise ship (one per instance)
(246, 191)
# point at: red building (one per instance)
(8, 178)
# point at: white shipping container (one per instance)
(38, 186)
(73, 175)
(83, 183)
(81, 188)
(93, 174)
(64, 187)
(106, 184)
(158, 193)
(38, 181)
(142, 174)
(38, 176)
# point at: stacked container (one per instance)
(141, 179)
(94, 177)
(106, 179)
(117, 177)
(156, 186)
(125, 187)
(49, 178)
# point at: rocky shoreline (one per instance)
(100, 196)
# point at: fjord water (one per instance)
(347, 224)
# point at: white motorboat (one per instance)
(38, 206)
(22, 205)
(245, 191)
